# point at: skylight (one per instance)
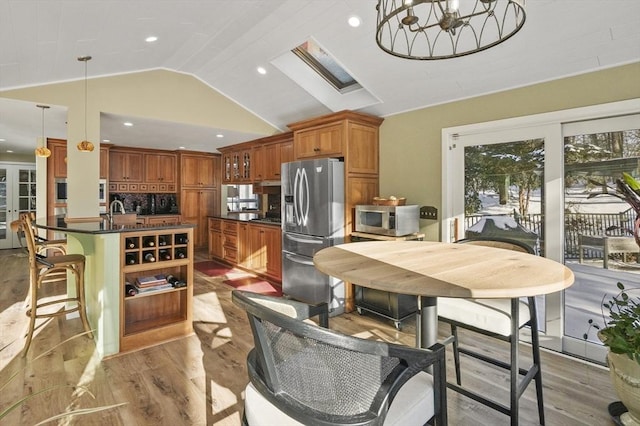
(326, 66)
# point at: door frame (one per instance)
(547, 126)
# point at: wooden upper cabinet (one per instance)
(319, 142)
(259, 163)
(104, 162)
(286, 152)
(125, 166)
(160, 168)
(197, 170)
(59, 156)
(274, 156)
(362, 146)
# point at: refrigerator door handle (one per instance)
(304, 240)
(301, 198)
(298, 259)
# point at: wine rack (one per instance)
(157, 312)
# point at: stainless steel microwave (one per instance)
(388, 220)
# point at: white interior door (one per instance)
(17, 195)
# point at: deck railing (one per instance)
(613, 224)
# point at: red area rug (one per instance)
(212, 268)
(255, 285)
(237, 278)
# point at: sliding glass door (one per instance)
(538, 184)
(599, 244)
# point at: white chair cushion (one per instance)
(493, 315)
(413, 405)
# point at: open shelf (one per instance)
(151, 315)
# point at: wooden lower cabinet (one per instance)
(254, 247)
(215, 238)
(273, 250)
(163, 220)
(230, 241)
(153, 316)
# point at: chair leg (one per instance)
(32, 324)
(515, 367)
(79, 271)
(535, 348)
(456, 354)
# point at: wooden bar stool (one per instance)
(45, 270)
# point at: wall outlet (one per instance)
(428, 212)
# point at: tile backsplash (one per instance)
(144, 203)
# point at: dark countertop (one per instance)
(99, 226)
(248, 217)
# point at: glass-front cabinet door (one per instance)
(17, 195)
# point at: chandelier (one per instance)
(42, 150)
(85, 145)
(442, 29)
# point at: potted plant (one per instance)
(621, 335)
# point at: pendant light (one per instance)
(85, 145)
(42, 150)
(443, 29)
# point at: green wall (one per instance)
(410, 143)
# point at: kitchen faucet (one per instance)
(113, 204)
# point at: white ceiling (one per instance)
(221, 42)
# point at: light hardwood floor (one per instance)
(199, 380)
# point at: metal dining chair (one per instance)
(500, 319)
(303, 374)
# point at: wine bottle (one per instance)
(162, 241)
(130, 290)
(131, 259)
(149, 257)
(175, 282)
(130, 243)
(149, 242)
(182, 239)
(165, 255)
(180, 254)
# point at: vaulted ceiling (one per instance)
(222, 42)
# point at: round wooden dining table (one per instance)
(432, 269)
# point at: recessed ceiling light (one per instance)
(2, 140)
(128, 123)
(261, 70)
(151, 39)
(106, 140)
(354, 21)
(9, 151)
(182, 147)
(219, 135)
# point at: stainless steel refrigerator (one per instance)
(312, 219)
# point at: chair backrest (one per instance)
(30, 238)
(503, 243)
(316, 375)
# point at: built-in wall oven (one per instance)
(60, 188)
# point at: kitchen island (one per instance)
(125, 317)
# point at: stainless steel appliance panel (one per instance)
(305, 283)
(306, 245)
(387, 220)
(313, 197)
